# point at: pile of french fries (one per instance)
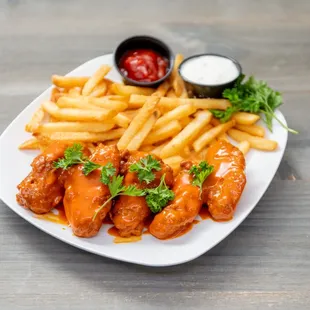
(162, 121)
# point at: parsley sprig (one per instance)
(200, 173)
(157, 198)
(116, 187)
(144, 168)
(252, 96)
(74, 155)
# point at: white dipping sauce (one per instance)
(209, 70)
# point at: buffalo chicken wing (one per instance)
(85, 194)
(223, 188)
(41, 191)
(130, 213)
(182, 211)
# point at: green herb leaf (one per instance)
(89, 166)
(73, 155)
(157, 198)
(200, 173)
(252, 96)
(144, 168)
(131, 190)
(107, 172)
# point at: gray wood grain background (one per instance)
(265, 263)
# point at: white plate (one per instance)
(261, 167)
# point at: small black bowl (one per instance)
(143, 42)
(204, 90)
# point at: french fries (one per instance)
(138, 121)
(140, 136)
(244, 118)
(69, 81)
(127, 90)
(163, 133)
(176, 81)
(100, 90)
(95, 79)
(87, 136)
(189, 132)
(211, 134)
(175, 114)
(255, 142)
(75, 126)
(244, 147)
(162, 121)
(31, 144)
(77, 114)
(254, 130)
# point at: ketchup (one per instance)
(144, 65)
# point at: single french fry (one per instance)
(187, 134)
(35, 121)
(127, 90)
(171, 93)
(122, 120)
(254, 130)
(255, 142)
(244, 147)
(223, 136)
(100, 90)
(176, 81)
(75, 127)
(69, 81)
(31, 144)
(174, 162)
(77, 114)
(92, 103)
(211, 134)
(95, 79)
(138, 121)
(87, 136)
(75, 103)
(161, 134)
(175, 114)
(137, 101)
(140, 136)
(244, 118)
(162, 89)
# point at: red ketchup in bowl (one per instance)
(143, 65)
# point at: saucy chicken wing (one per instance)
(85, 194)
(182, 211)
(41, 191)
(223, 188)
(129, 213)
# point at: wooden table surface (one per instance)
(265, 263)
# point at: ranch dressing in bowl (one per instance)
(207, 75)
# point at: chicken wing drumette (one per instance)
(223, 188)
(84, 195)
(129, 213)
